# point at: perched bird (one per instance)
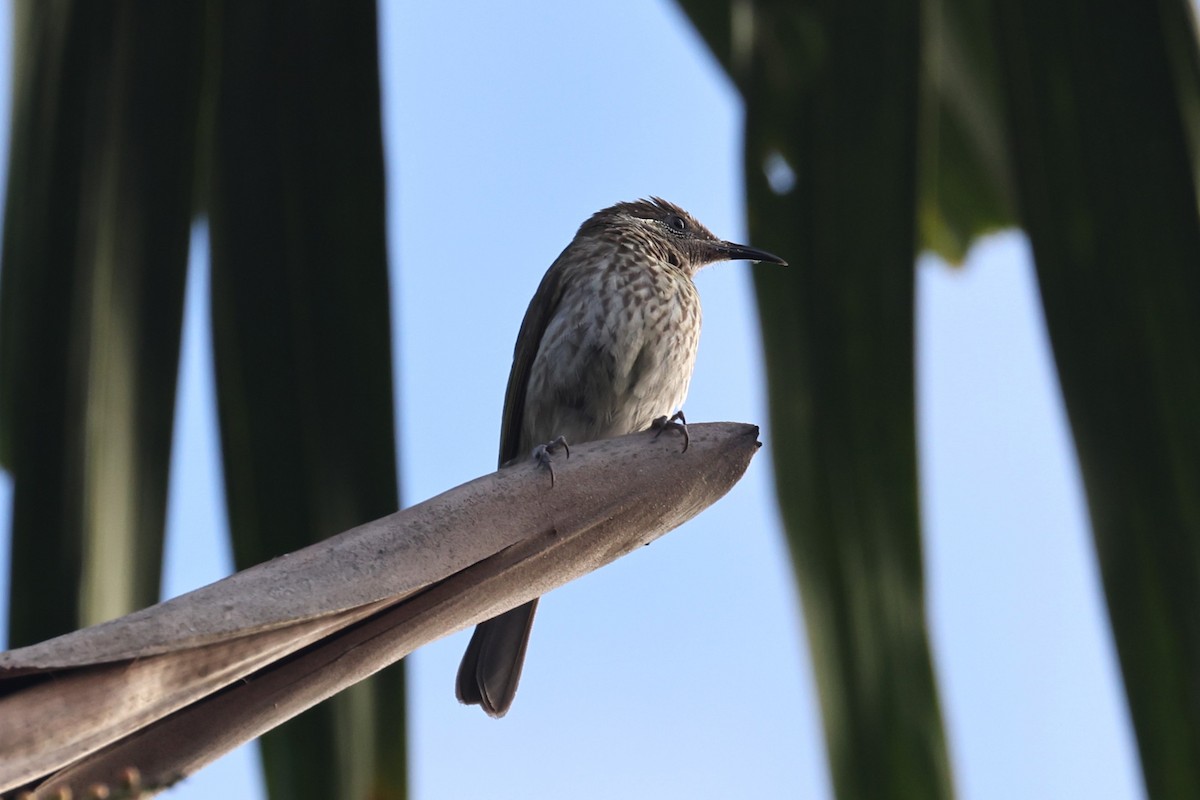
(606, 348)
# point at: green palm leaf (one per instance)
(125, 115)
(1086, 118)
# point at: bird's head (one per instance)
(667, 232)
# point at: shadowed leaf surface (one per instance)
(832, 89)
(100, 191)
(1104, 131)
(302, 336)
(1088, 118)
(129, 119)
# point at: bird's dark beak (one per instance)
(740, 252)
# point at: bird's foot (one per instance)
(675, 422)
(542, 453)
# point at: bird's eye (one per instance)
(677, 224)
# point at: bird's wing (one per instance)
(537, 317)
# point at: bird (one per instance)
(606, 348)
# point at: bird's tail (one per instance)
(491, 667)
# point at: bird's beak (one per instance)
(741, 252)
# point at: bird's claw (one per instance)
(542, 453)
(676, 422)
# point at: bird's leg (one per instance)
(542, 453)
(676, 421)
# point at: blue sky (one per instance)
(681, 671)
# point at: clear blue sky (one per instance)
(682, 671)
